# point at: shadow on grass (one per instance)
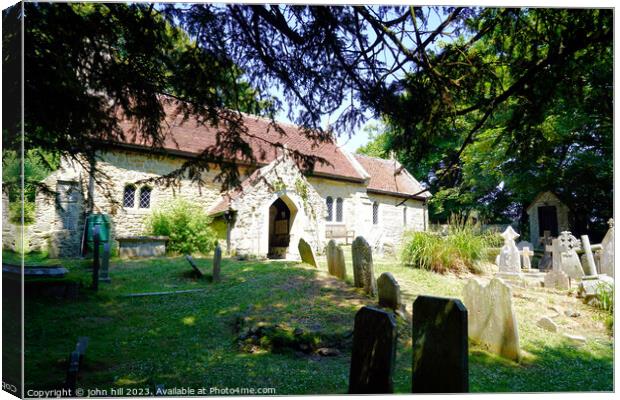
(562, 368)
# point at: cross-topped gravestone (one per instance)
(104, 274)
(363, 274)
(374, 352)
(217, 262)
(565, 256)
(509, 257)
(440, 346)
(546, 261)
(527, 254)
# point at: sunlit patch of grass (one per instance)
(138, 341)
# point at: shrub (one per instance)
(461, 249)
(186, 224)
(15, 212)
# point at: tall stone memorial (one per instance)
(217, 263)
(363, 274)
(374, 352)
(492, 321)
(607, 251)
(440, 346)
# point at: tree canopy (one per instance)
(450, 83)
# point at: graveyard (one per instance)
(163, 323)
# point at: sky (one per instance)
(360, 137)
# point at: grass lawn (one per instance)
(189, 339)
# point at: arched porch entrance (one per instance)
(282, 213)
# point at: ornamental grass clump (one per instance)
(461, 249)
(187, 226)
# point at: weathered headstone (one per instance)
(374, 352)
(440, 346)
(335, 260)
(217, 262)
(607, 252)
(526, 255)
(589, 267)
(104, 273)
(491, 317)
(546, 261)
(565, 256)
(96, 243)
(509, 257)
(389, 292)
(191, 262)
(363, 274)
(523, 244)
(306, 253)
(330, 254)
(555, 279)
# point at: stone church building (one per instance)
(275, 206)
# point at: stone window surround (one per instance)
(137, 202)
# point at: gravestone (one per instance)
(217, 262)
(363, 274)
(440, 346)
(191, 262)
(374, 352)
(389, 292)
(565, 256)
(607, 252)
(306, 253)
(526, 255)
(492, 320)
(509, 260)
(96, 243)
(335, 260)
(546, 261)
(555, 279)
(104, 274)
(523, 244)
(589, 266)
(330, 254)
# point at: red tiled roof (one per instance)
(390, 177)
(191, 137)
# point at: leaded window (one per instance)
(329, 203)
(129, 196)
(339, 209)
(145, 197)
(375, 213)
(405, 216)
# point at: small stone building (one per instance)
(547, 213)
(275, 206)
